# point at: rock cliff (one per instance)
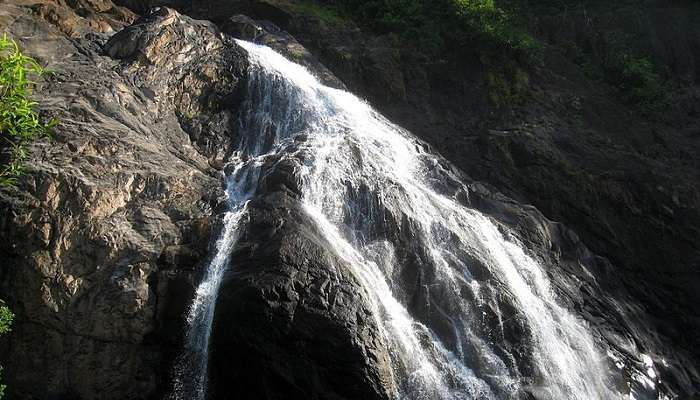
(102, 238)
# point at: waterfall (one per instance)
(190, 374)
(482, 322)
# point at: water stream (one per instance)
(190, 373)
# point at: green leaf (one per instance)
(20, 124)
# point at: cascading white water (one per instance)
(483, 323)
(190, 380)
(358, 168)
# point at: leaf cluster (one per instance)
(6, 317)
(637, 81)
(20, 124)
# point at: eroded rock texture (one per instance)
(101, 240)
(292, 322)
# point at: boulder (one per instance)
(292, 322)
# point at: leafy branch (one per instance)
(20, 124)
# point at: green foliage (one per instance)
(326, 14)
(453, 29)
(634, 76)
(412, 21)
(19, 122)
(638, 82)
(439, 27)
(496, 33)
(6, 317)
(506, 86)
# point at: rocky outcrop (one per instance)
(292, 322)
(83, 16)
(102, 239)
(201, 68)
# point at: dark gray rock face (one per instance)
(291, 321)
(100, 242)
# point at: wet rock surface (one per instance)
(291, 320)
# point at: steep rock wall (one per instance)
(102, 239)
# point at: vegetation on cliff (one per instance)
(6, 317)
(447, 29)
(632, 74)
(501, 34)
(437, 27)
(19, 121)
(608, 42)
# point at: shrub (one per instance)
(6, 318)
(19, 121)
(495, 32)
(630, 72)
(326, 14)
(639, 83)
